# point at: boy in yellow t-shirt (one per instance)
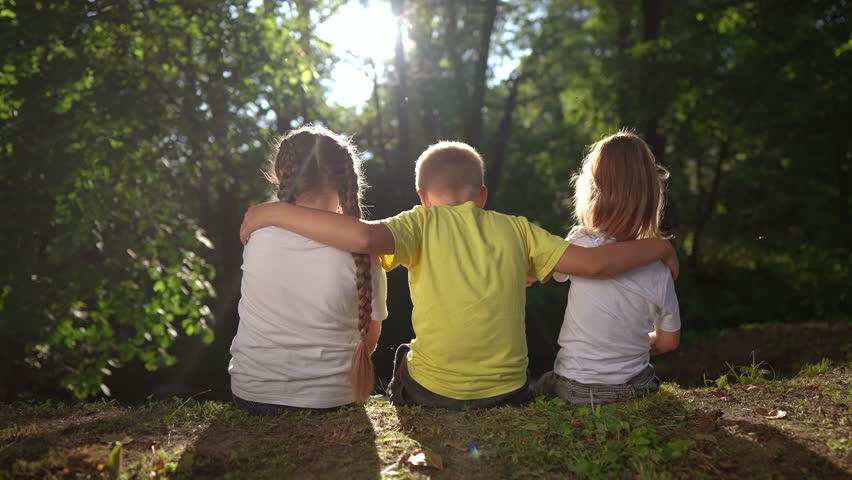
(467, 276)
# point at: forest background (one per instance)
(132, 135)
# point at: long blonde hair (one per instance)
(618, 192)
(313, 159)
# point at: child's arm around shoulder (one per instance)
(615, 258)
(333, 229)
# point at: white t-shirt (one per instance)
(604, 337)
(298, 321)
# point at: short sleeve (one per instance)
(668, 319)
(407, 230)
(581, 239)
(380, 291)
(544, 250)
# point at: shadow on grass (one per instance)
(71, 440)
(786, 348)
(295, 444)
(663, 433)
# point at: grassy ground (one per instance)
(718, 431)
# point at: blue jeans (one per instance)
(263, 409)
(404, 390)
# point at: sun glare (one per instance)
(357, 34)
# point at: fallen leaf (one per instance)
(773, 414)
(392, 467)
(752, 388)
(426, 458)
(719, 392)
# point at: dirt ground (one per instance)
(769, 416)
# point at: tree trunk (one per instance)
(380, 128)
(454, 48)
(501, 142)
(304, 11)
(473, 129)
(404, 168)
(705, 205)
(622, 17)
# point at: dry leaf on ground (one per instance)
(426, 458)
(773, 414)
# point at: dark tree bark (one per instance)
(623, 42)
(706, 203)
(648, 90)
(404, 165)
(380, 128)
(454, 50)
(473, 128)
(504, 132)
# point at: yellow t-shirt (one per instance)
(467, 270)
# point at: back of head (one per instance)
(450, 168)
(618, 192)
(314, 160)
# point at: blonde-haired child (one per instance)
(467, 272)
(613, 325)
(310, 316)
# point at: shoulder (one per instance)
(415, 214)
(584, 238)
(274, 241)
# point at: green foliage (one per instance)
(756, 373)
(814, 369)
(608, 440)
(130, 141)
(131, 136)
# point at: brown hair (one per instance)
(313, 159)
(619, 189)
(449, 167)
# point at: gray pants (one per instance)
(552, 384)
(404, 390)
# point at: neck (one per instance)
(449, 199)
(321, 201)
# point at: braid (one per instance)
(362, 365)
(312, 159)
(286, 161)
(285, 171)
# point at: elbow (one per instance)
(598, 269)
(365, 240)
(669, 344)
(362, 242)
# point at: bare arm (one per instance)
(333, 229)
(614, 258)
(662, 341)
(373, 333)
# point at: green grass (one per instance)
(818, 368)
(676, 433)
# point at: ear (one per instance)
(482, 198)
(424, 198)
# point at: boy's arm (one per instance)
(333, 229)
(614, 258)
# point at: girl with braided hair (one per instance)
(310, 315)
